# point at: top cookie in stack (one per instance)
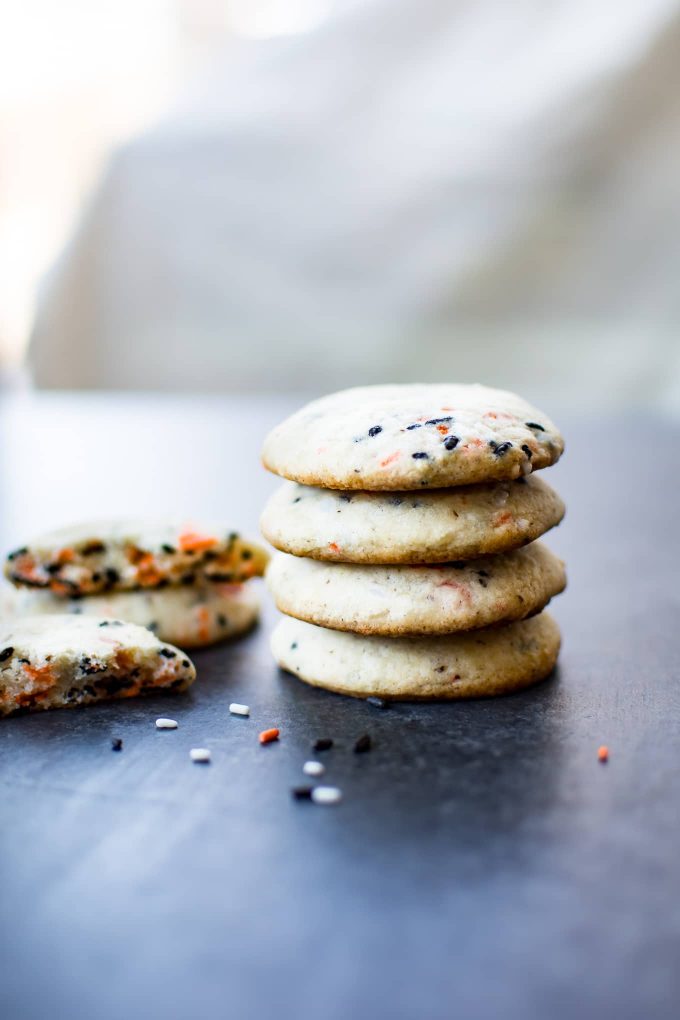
(443, 474)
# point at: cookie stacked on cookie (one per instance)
(186, 583)
(408, 563)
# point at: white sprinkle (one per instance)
(313, 768)
(166, 724)
(326, 795)
(237, 709)
(201, 754)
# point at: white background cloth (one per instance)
(420, 189)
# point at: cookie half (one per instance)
(479, 664)
(417, 600)
(413, 436)
(128, 555)
(409, 527)
(190, 617)
(63, 661)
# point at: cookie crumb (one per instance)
(166, 724)
(603, 753)
(237, 709)
(267, 736)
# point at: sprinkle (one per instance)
(326, 795)
(451, 442)
(237, 709)
(439, 421)
(377, 702)
(200, 755)
(534, 425)
(526, 449)
(603, 753)
(500, 448)
(267, 736)
(363, 744)
(302, 792)
(116, 744)
(166, 724)
(416, 425)
(421, 455)
(375, 430)
(313, 768)
(6, 652)
(168, 653)
(323, 744)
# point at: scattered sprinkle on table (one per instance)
(267, 736)
(313, 768)
(363, 744)
(166, 724)
(603, 753)
(326, 795)
(302, 792)
(237, 709)
(116, 744)
(200, 754)
(323, 744)
(377, 702)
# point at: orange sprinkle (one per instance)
(190, 541)
(504, 517)
(334, 547)
(267, 736)
(203, 615)
(389, 460)
(443, 429)
(603, 753)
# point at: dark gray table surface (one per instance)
(482, 863)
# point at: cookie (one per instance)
(190, 617)
(126, 555)
(417, 600)
(482, 663)
(403, 527)
(63, 661)
(408, 437)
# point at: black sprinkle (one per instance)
(104, 623)
(90, 548)
(52, 568)
(376, 702)
(153, 626)
(483, 581)
(322, 744)
(18, 552)
(345, 497)
(534, 425)
(96, 576)
(26, 662)
(525, 449)
(421, 455)
(439, 669)
(169, 549)
(302, 792)
(417, 425)
(222, 620)
(220, 578)
(439, 421)
(451, 442)
(116, 744)
(186, 663)
(168, 653)
(484, 573)
(363, 744)
(293, 646)
(521, 480)
(112, 576)
(375, 430)
(6, 652)
(246, 554)
(297, 499)
(396, 501)
(500, 448)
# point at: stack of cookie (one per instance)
(186, 583)
(408, 564)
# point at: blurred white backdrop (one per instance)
(325, 193)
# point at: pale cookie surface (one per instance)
(408, 437)
(417, 600)
(409, 527)
(86, 559)
(190, 617)
(63, 661)
(478, 664)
